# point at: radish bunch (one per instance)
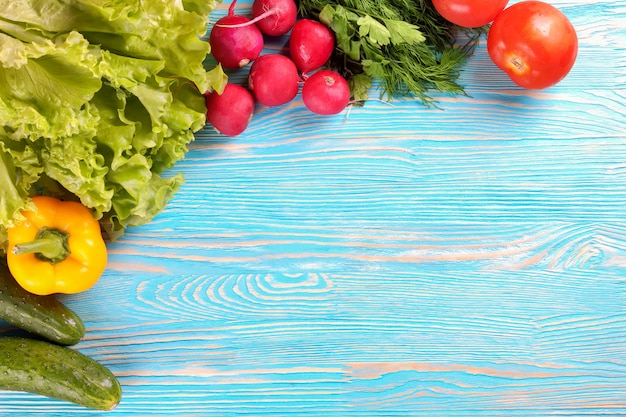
(274, 79)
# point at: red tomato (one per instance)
(534, 43)
(469, 13)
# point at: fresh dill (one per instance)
(404, 46)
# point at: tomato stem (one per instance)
(518, 63)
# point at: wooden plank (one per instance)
(392, 261)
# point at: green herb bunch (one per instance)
(405, 45)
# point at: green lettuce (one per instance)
(98, 100)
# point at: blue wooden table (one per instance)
(391, 261)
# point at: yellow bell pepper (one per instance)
(58, 248)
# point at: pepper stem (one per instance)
(50, 245)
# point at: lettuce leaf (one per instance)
(98, 100)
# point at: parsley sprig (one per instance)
(403, 45)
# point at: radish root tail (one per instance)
(262, 16)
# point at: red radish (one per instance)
(233, 42)
(311, 44)
(273, 79)
(274, 17)
(230, 112)
(326, 92)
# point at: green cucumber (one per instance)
(60, 372)
(42, 315)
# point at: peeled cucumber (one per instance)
(42, 315)
(44, 368)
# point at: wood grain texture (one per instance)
(390, 261)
